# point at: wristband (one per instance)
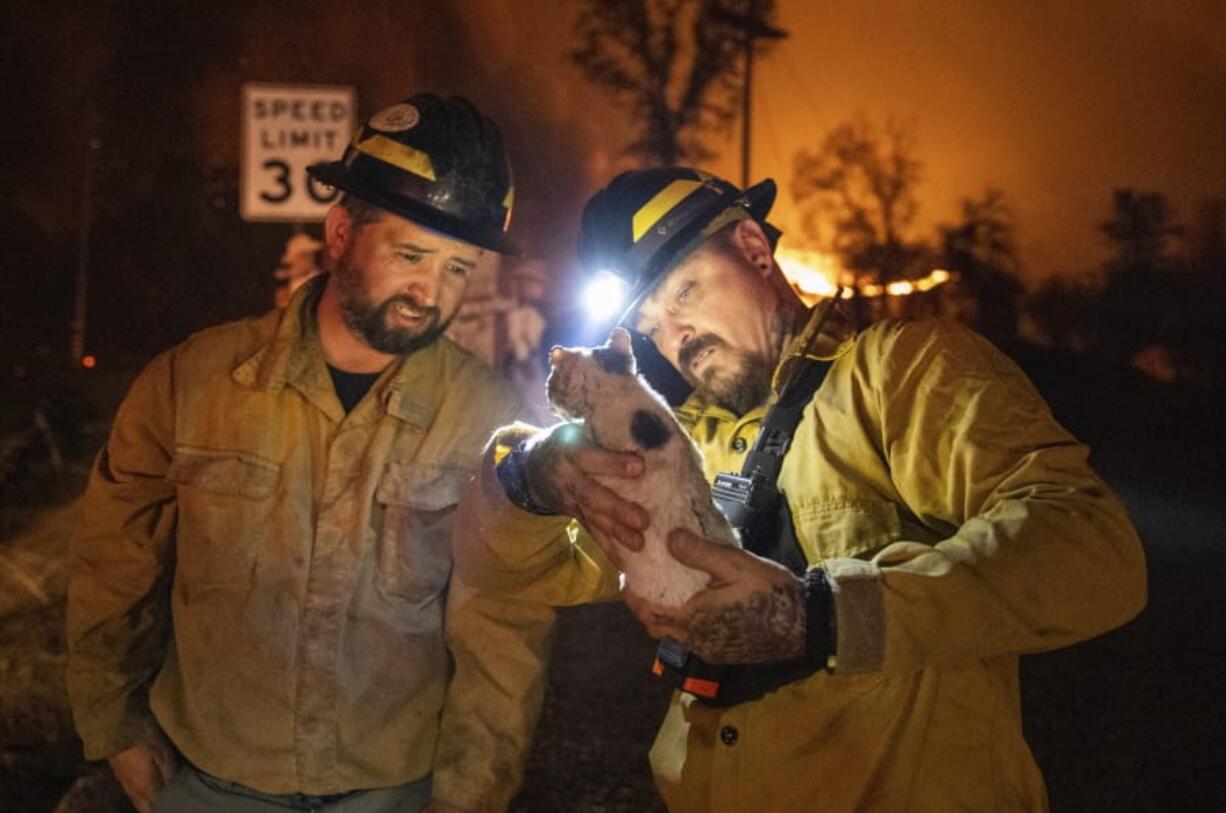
(513, 476)
(820, 640)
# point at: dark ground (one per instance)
(1131, 721)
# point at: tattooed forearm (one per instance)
(768, 625)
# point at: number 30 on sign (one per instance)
(286, 128)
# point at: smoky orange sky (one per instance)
(1056, 103)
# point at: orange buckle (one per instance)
(702, 688)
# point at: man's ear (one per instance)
(338, 231)
(754, 245)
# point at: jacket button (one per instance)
(729, 735)
(739, 445)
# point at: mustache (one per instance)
(404, 299)
(693, 347)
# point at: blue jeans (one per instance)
(193, 791)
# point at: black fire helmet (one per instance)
(645, 221)
(436, 161)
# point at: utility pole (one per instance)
(752, 28)
(80, 309)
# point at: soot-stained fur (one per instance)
(648, 429)
(619, 411)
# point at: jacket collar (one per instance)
(828, 333)
(293, 356)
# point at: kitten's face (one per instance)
(580, 378)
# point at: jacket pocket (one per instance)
(225, 503)
(413, 555)
(846, 527)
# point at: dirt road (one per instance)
(1132, 721)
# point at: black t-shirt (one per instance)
(350, 387)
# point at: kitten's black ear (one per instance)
(619, 342)
(619, 339)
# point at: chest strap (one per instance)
(759, 511)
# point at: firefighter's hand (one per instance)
(561, 467)
(753, 610)
(143, 770)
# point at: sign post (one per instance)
(286, 128)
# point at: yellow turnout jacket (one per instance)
(961, 526)
(265, 575)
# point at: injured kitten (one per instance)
(622, 413)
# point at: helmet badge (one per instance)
(395, 119)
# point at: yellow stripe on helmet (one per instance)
(732, 214)
(398, 155)
(507, 204)
(660, 204)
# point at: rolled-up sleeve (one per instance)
(1042, 554)
(120, 570)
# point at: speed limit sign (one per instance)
(286, 128)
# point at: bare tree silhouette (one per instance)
(980, 248)
(1063, 310)
(1137, 307)
(676, 64)
(857, 195)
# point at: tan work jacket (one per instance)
(961, 526)
(267, 573)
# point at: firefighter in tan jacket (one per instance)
(257, 613)
(949, 524)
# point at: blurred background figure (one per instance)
(299, 262)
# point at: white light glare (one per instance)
(604, 295)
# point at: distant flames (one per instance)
(812, 273)
(815, 275)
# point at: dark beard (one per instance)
(739, 390)
(373, 323)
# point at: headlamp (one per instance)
(605, 295)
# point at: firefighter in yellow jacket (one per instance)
(256, 615)
(947, 523)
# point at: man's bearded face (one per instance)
(741, 382)
(397, 326)
(716, 319)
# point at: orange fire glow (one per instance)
(815, 276)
